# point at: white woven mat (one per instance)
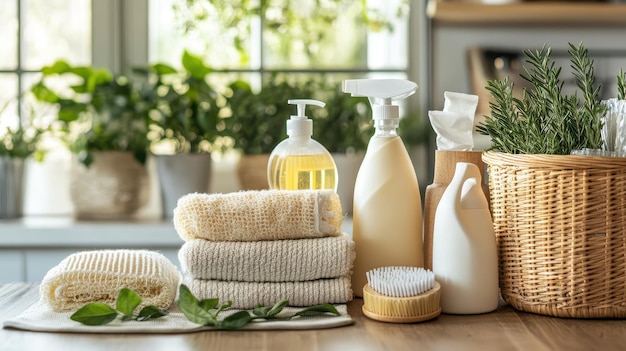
(38, 317)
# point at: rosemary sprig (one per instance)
(544, 120)
(621, 85)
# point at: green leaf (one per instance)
(209, 304)
(235, 321)
(260, 310)
(222, 307)
(151, 312)
(162, 69)
(195, 66)
(127, 301)
(95, 313)
(318, 310)
(58, 67)
(190, 306)
(43, 93)
(277, 308)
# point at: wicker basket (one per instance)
(560, 228)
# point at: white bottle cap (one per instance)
(300, 125)
(381, 93)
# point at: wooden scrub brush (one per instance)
(401, 295)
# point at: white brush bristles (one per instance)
(400, 281)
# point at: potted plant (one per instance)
(256, 123)
(16, 145)
(102, 118)
(184, 123)
(558, 218)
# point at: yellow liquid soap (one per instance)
(303, 172)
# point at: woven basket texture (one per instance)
(560, 227)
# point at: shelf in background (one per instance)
(67, 232)
(558, 13)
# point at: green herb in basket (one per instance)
(621, 85)
(545, 120)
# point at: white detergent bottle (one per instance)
(465, 260)
(299, 162)
(387, 208)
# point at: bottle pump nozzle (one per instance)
(381, 93)
(300, 125)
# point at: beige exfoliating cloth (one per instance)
(98, 276)
(268, 261)
(255, 215)
(246, 295)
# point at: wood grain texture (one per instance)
(548, 13)
(504, 329)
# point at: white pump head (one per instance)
(381, 93)
(300, 125)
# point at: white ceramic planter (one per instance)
(113, 187)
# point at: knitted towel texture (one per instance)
(268, 261)
(247, 295)
(258, 215)
(97, 276)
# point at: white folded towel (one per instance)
(246, 295)
(258, 215)
(268, 261)
(98, 276)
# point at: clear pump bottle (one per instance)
(387, 209)
(299, 162)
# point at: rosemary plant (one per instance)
(621, 85)
(544, 120)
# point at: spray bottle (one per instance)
(387, 209)
(299, 162)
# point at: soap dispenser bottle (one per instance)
(387, 208)
(299, 162)
(465, 257)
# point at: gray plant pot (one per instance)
(347, 168)
(180, 175)
(11, 189)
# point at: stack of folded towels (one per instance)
(262, 246)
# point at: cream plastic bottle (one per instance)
(299, 162)
(387, 209)
(465, 257)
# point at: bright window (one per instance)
(121, 34)
(35, 33)
(295, 36)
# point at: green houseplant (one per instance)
(184, 123)
(185, 107)
(97, 111)
(103, 120)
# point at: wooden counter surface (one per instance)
(504, 329)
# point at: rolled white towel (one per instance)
(98, 276)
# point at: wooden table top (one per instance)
(504, 329)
